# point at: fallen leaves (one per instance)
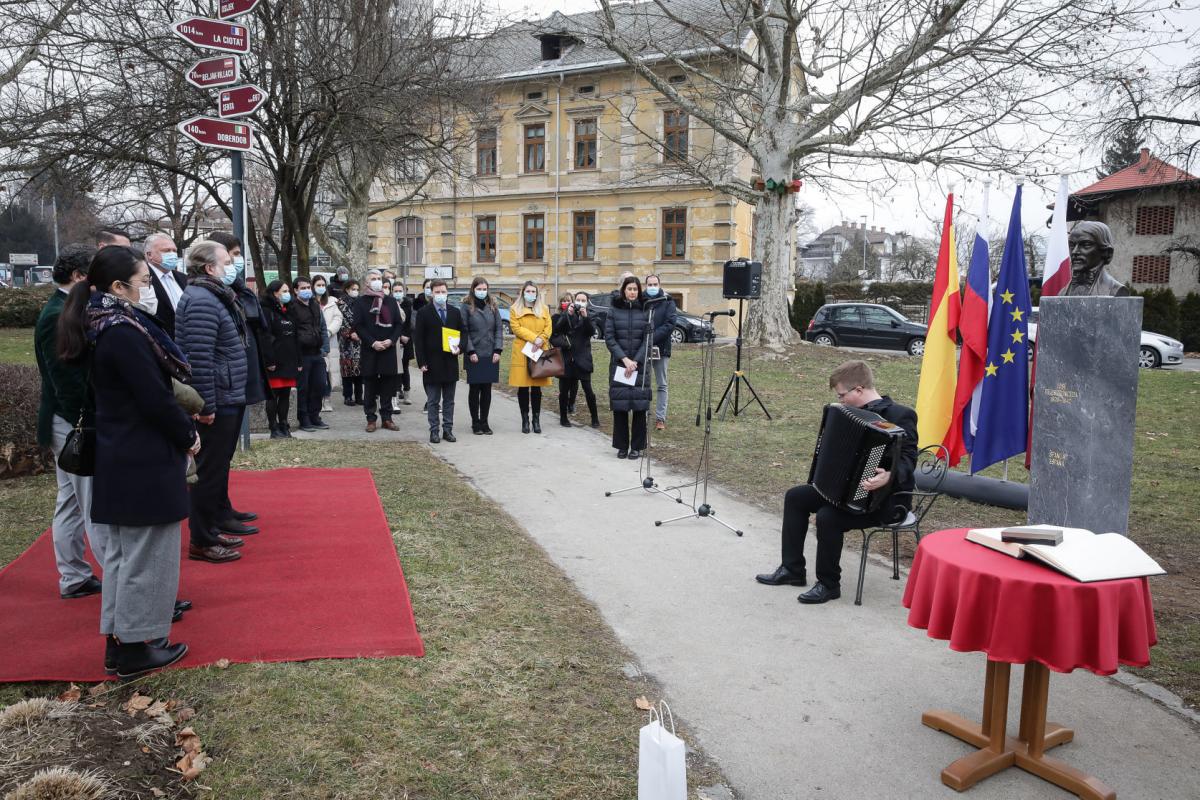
(194, 759)
(643, 703)
(139, 702)
(71, 695)
(221, 663)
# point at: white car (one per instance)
(1156, 350)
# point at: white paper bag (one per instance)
(662, 762)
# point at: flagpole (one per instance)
(1006, 469)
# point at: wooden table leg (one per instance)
(993, 755)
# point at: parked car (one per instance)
(457, 296)
(690, 328)
(1154, 351)
(865, 325)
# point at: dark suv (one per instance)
(865, 325)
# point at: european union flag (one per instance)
(1004, 403)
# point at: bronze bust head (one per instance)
(1091, 248)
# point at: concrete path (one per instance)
(791, 701)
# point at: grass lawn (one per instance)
(761, 459)
(16, 346)
(521, 693)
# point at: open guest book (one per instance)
(1082, 555)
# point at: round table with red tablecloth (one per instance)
(1021, 612)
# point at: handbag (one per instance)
(78, 454)
(550, 365)
(662, 760)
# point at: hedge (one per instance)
(1160, 312)
(809, 297)
(19, 308)
(20, 394)
(1189, 322)
(899, 293)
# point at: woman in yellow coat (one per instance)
(529, 319)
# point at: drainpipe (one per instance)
(557, 182)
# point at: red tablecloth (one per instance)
(1017, 611)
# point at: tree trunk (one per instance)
(358, 217)
(767, 322)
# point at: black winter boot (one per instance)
(138, 658)
(537, 422)
(524, 422)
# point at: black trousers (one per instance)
(529, 395)
(378, 391)
(405, 381)
(620, 439)
(278, 401)
(832, 524)
(479, 401)
(567, 390)
(225, 510)
(310, 388)
(218, 442)
(352, 388)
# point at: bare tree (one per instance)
(827, 89)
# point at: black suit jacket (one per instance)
(427, 344)
(166, 312)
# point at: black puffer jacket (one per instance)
(625, 334)
(573, 333)
(280, 348)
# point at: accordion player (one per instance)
(851, 444)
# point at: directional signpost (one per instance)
(218, 133)
(228, 9)
(214, 34)
(213, 72)
(240, 101)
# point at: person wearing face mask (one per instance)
(404, 346)
(625, 335)
(437, 357)
(424, 297)
(573, 332)
(337, 287)
(211, 332)
(333, 324)
(350, 346)
(281, 353)
(662, 309)
(166, 277)
(529, 319)
(483, 342)
(66, 401)
(314, 343)
(378, 321)
(143, 439)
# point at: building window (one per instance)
(533, 96)
(485, 237)
(677, 78)
(1155, 221)
(674, 229)
(535, 148)
(585, 144)
(1151, 269)
(535, 237)
(410, 241)
(675, 135)
(585, 236)
(589, 89)
(485, 152)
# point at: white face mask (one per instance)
(376, 285)
(148, 300)
(353, 292)
(531, 297)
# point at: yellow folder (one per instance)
(451, 337)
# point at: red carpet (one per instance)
(322, 580)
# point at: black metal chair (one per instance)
(932, 463)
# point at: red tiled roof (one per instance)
(1148, 171)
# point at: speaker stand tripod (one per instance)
(700, 507)
(738, 378)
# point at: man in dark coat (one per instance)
(439, 365)
(661, 307)
(854, 384)
(166, 276)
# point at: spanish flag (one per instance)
(939, 373)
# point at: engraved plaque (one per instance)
(1084, 402)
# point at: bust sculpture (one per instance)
(1091, 248)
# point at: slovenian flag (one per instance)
(935, 392)
(973, 328)
(1003, 429)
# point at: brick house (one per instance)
(1152, 208)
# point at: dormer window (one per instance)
(533, 95)
(555, 44)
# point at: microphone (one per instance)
(727, 313)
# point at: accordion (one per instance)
(851, 444)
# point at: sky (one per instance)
(914, 204)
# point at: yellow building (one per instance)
(575, 178)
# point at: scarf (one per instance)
(227, 297)
(105, 310)
(379, 307)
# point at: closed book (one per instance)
(1082, 555)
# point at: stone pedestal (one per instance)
(1085, 397)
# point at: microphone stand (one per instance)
(702, 509)
(647, 480)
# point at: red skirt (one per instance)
(281, 383)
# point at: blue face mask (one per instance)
(441, 299)
(304, 294)
(481, 294)
(530, 298)
(428, 292)
(285, 298)
(230, 275)
(239, 263)
(170, 261)
(320, 290)
(652, 291)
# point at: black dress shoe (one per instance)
(89, 587)
(183, 605)
(782, 577)
(622, 454)
(447, 436)
(634, 454)
(819, 594)
(434, 438)
(486, 430)
(176, 615)
(234, 528)
(320, 424)
(139, 658)
(245, 516)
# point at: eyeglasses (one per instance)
(842, 395)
